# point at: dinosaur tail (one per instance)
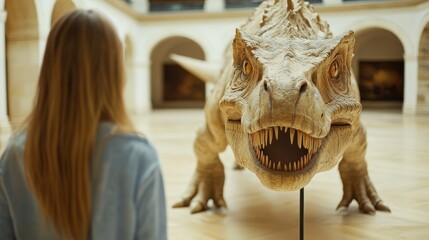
(206, 71)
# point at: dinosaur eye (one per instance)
(247, 68)
(334, 70)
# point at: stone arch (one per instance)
(171, 85)
(379, 68)
(423, 72)
(22, 58)
(400, 33)
(61, 7)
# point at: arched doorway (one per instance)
(22, 58)
(423, 74)
(171, 85)
(61, 7)
(378, 65)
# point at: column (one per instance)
(214, 5)
(331, 2)
(410, 84)
(142, 86)
(5, 128)
(141, 6)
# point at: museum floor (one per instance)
(398, 160)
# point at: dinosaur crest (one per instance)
(297, 20)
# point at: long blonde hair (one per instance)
(80, 84)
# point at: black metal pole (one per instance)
(301, 214)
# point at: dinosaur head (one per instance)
(289, 105)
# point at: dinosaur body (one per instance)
(287, 105)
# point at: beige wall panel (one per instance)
(22, 75)
(61, 7)
(423, 79)
(22, 58)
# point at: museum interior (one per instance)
(166, 102)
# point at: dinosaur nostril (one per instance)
(265, 86)
(303, 88)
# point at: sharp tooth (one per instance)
(278, 166)
(276, 131)
(266, 161)
(294, 166)
(254, 140)
(270, 134)
(269, 164)
(290, 167)
(285, 167)
(318, 143)
(267, 137)
(256, 137)
(299, 165)
(307, 141)
(274, 166)
(262, 136)
(299, 139)
(258, 141)
(304, 140)
(285, 129)
(292, 133)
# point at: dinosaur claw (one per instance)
(368, 208)
(177, 205)
(181, 203)
(220, 203)
(381, 207)
(342, 209)
(197, 207)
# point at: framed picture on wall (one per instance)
(381, 80)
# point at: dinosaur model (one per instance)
(288, 106)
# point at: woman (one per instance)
(77, 171)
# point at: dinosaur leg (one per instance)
(356, 182)
(209, 177)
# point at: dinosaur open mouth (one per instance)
(284, 149)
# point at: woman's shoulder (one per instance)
(132, 146)
(16, 142)
(132, 140)
(14, 149)
(122, 139)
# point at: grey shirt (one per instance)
(128, 199)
